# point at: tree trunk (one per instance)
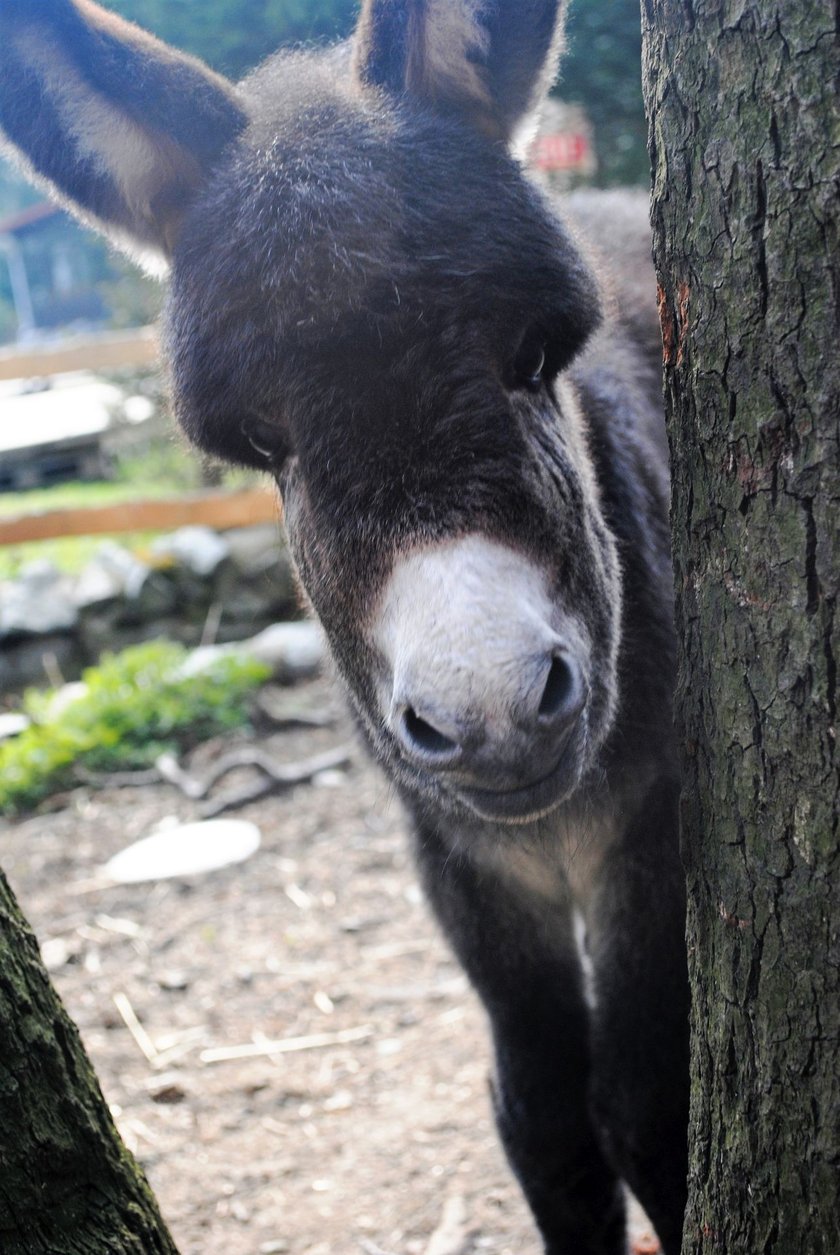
(742, 99)
(68, 1186)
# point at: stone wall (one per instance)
(193, 584)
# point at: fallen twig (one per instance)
(285, 1045)
(141, 1037)
(170, 770)
(276, 776)
(295, 894)
(211, 624)
(370, 1248)
(122, 927)
(189, 1039)
(284, 714)
(451, 1235)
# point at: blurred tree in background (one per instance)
(601, 68)
(601, 71)
(235, 35)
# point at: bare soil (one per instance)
(375, 1136)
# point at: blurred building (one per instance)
(53, 272)
(563, 150)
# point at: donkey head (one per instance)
(369, 300)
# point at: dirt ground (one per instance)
(376, 1136)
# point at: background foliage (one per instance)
(137, 705)
(235, 35)
(601, 69)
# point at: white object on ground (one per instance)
(200, 549)
(12, 724)
(294, 651)
(186, 850)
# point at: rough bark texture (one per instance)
(68, 1186)
(742, 98)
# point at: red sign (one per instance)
(565, 151)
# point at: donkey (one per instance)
(371, 301)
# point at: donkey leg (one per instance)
(542, 1112)
(640, 1023)
(518, 949)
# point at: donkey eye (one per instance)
(266, 439)
(529, 363)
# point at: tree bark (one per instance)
(742, 99)
(68, 1186)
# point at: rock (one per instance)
(97, 585)
(128, 572)
(174, 980)
(256, 549)
(235, 584)
(22, 661)
(332, 779)
(143, 594)
(167, 1092)
(199, 549)
(39, 601)
(57, 952)
(259, 585)
(97, 630)
(156, 596)
(294, 651)
(12, 724)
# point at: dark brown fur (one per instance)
(357, 266)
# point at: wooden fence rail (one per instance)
(103, 351)
(220, 510)
(107, 350)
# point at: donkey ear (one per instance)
(122, 127)
(489, 60)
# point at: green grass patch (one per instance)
(138, 704)
(70, 554)
(77, 495)
(141, 479)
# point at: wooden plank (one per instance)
(106, 349)
(220, 510)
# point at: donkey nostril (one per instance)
(421, 735)
(558, 691)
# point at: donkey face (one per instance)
(369, 300)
